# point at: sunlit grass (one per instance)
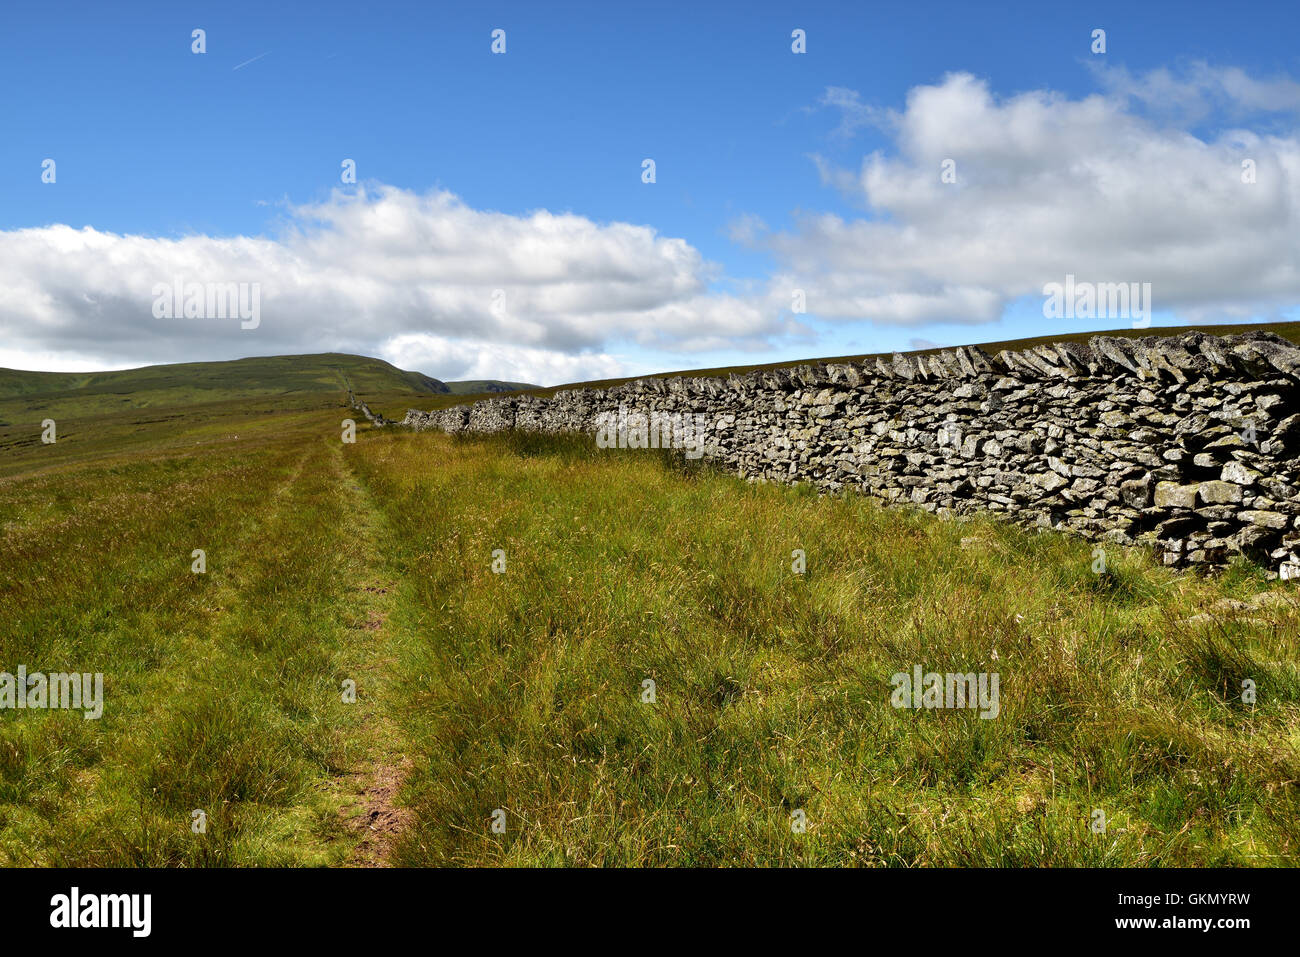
(221, 689)
(523, 691)
(773, 688)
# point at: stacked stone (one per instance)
(378, 420)
(1187, 443)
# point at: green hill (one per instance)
(237, 378)
(483, 386)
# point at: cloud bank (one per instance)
(1130, 184)
(422, 280)
(1044, 186)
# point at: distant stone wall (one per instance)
(376, 420)
(1187, 443)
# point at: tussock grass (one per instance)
(773, 688)
(523, 691)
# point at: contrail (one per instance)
(246, 62)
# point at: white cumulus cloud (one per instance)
(425, 278)
(1046, 185)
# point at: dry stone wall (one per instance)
(1187, 443)
(376, 420)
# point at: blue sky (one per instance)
(240, 149)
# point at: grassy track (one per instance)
(221, 689)
(522, 691)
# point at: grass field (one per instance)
(523, 692)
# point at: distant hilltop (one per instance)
(242, 378)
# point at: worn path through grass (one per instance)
(223, 690)
(648, 682)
